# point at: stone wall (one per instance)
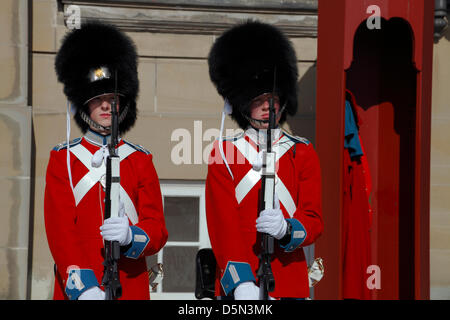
(16, 146)
(440, 173)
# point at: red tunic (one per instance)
(356, 232)
(231, 224)
(357, 220)
(73, 230)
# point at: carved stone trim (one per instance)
(198, 20)
(303, 5)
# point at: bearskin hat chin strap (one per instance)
(227, 109)
(260, 122)
(99, 127)
(90, 122)
(69, 171)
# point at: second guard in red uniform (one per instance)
(250, 64)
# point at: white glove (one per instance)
(117, 229)
(271, 221)
(94, 293)
(246, 291)
(99, 156)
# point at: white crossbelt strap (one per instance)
(285, 197)
(95, 174)
(129, 206)
(252, 177)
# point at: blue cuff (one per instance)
(298, 235)
(139, 240)
(78, 281)
(236, 273)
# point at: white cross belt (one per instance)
(252, 177)
(95, 174)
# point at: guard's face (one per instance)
(259, 109)
(100, 109)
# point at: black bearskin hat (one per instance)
(242, 62)
(87, 63)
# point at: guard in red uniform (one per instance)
(244, 63)
(90, 62)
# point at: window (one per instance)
(184, 211)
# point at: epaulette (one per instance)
(297, 139)
(137, 147)
(233, 138)
(63, 145)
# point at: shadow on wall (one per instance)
(303, 124)
(383, 79)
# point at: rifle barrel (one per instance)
(111, 281)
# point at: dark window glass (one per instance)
(179, 269)
(181, 215)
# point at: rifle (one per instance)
(111, 281)
(265, 274)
